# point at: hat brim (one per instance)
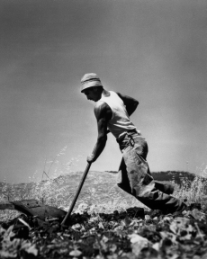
(91, 84)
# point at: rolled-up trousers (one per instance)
(136, 178)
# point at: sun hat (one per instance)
(90, 80)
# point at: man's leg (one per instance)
(142, 184)
(124, 180)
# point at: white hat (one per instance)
(90, 80)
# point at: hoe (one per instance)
(46, 213)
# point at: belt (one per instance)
(128, 132)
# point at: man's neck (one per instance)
(105, 93)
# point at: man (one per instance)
(112, 111)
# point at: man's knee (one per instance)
(124, 187)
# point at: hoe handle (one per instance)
(65, 220)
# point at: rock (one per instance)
(138, 243)
(167, 219)
(148, 219)
(75, 253)
(183, 228)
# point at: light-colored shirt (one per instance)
(120, 121)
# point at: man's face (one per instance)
(91, 94)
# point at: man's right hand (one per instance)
(91, 158)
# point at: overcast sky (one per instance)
(152, 50)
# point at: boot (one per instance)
(164, 187)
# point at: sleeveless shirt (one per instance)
(120, 121)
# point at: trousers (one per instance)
(136, 178)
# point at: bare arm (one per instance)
(130, 103)
(103, 115)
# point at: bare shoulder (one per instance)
(102, 110)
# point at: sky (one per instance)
(152, 50)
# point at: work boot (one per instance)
(166, 188)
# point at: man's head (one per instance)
(91, 86)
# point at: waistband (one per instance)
(129, 138)
(128, 132)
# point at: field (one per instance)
(106, 223)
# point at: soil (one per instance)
(133, 233)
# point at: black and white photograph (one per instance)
(103, 129)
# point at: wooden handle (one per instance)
(66, 219)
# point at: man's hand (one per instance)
(91, 158)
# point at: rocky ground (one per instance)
(106, 224)
(130, 234)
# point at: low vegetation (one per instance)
(106, 223)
